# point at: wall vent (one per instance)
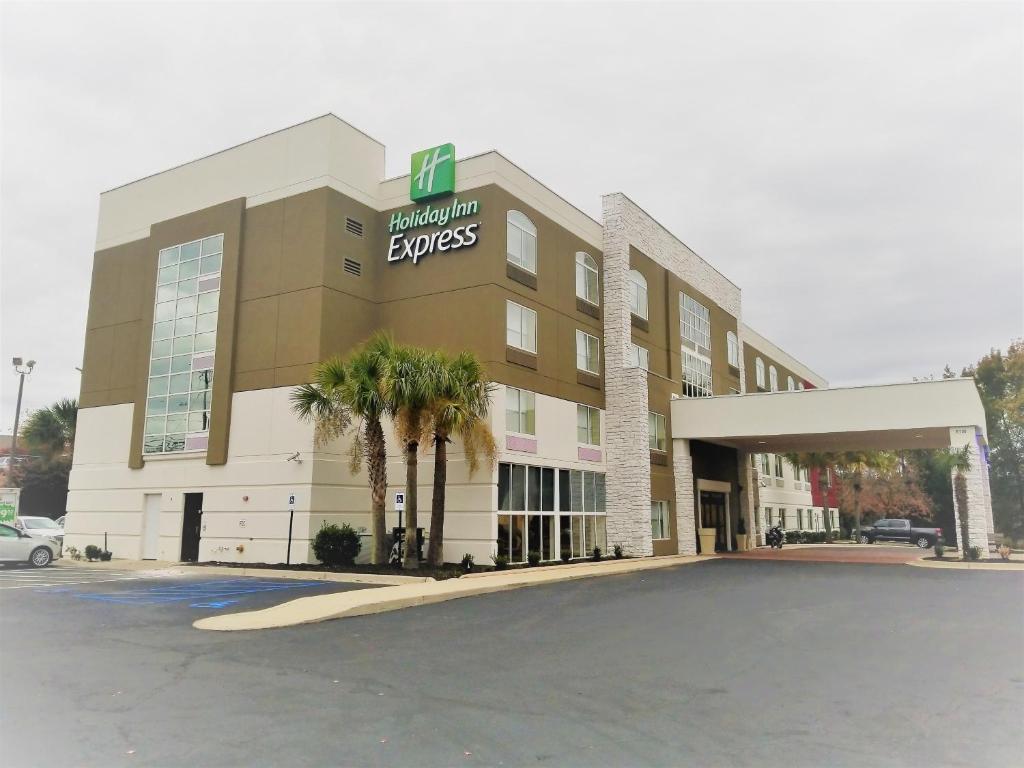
(353, 267)
(353, 227)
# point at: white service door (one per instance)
(151, 527)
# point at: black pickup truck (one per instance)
(899, 530)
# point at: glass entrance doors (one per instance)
(713, 515)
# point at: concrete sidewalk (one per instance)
(307, 610)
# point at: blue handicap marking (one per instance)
(198, 594)
(214, 604)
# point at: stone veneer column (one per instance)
(978, 495)
(686, 505)
(748, 496)
(627, 451)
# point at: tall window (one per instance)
(773, 378)
(588, 352)
(588, 425)
(694, 322)
(759, 372)
(659, 520)
(521, 242)
(656, 427)
(586, 278)
(790, 384)
(183, 346)
(799, 385)
(696, 375)
(733, 346)
(778, 465)
(639, 357)
(520, 327)
(637, 294)
(520, 411)
(764, 465)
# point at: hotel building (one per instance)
(218, 285)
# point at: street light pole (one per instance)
(22, 370)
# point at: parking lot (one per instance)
(729, 662)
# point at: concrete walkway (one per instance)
(339, 605)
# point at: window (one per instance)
(183, 345)
(588, 352)
(694, 322)
(521, 242)
(733, 346)
(773, 378)
(799, 385)
(764, 465)
(588, 425)
(768, 515)
(656, 427)
(759, 371)
(520, 413)
(659, 519)
(778, 465)
(696, 375)
(639, 357)
(521, 327)
(790, 384)
(586, 278)
(637, 294)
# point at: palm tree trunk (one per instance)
(435, 552)
(412, 560)
(377, 469)
(960, 492)
(823, 487)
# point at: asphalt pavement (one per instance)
(730, 662)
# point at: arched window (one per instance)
(586, 278)
(733, 345)
(799, 385)
(790, 384)
(773, 378)
(637, 294)
(759, 370)
(521, 242)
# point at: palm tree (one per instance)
(345, 390)
(409, 387)
(460, 396)
(957, 461)
(855, 464)
(51, 431)
(825, 463)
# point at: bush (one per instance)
(467, 562)
(500, 562)
(974, 553)
(1004, 551)
(92, 552)
(73, 553)
(566, 555)
(336, 545)
(940, 547)
(105, 555)
(617, 551)
(595, 554)
(533, 557)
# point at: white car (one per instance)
(20, 547)
(40, 527)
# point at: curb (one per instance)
(308, 610)
(960, 565)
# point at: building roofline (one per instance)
(801, 363)
(242, 144)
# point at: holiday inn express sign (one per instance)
(432, 176)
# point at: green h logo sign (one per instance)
(433, 173)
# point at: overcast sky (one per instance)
(855, 168)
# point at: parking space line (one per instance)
(209, 592)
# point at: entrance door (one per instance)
(712, 515)
(151, 527)
(191, 526)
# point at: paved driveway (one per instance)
(730, 662)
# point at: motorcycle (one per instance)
(775, 537)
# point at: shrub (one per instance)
(105, 555)
(1004, 552)
(92, 552)
(566, 555)
(617, 551)
(500, 562)
(336, 545)
(974, 553)
(533, 557)
(467, 562)
(73, 553)
(940, 547)
(596, 554)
